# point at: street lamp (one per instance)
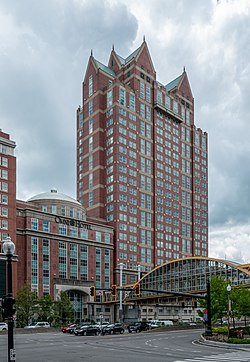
(9, 249)
(120, 304)
(139, 272)
(209, 317)
(229, 288)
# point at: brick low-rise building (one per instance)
(60, 249)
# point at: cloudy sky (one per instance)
(44, 49)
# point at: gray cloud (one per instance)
(44, 49)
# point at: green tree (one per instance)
(219, 298)
(241, 302)
(46, 309)
(26, 302)
(64, 308)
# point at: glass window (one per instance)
(109, 98)
(132, 102)
(90, 107)
(98, 236)
(142, 90)
(142, 110)
(4, 199)
(91, 198)
(148, 96)
(90, 86)
(62, 229)
(4, 187)
(46, 225)
(122, 96)
(4, 174)
(53, 209)
(167, 102)
(4, 224)
(34, 224)
(4, 161)
(84, 262)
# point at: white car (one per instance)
(3, 326)
(38, 325)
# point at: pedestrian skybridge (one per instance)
(190, 275)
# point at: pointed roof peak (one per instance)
(174, 83)
(104, 68)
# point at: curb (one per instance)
(203, 340)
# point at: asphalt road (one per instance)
(169, 346)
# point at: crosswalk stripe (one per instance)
(238, 356)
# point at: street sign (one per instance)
(12, 354)
(205, 315)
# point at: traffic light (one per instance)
(12, 309)
(113, 290)
(194, 304)
(4, 309)
(92, 291)
(8, 309)
(137, 289)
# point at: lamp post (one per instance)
(8, 249)
(209, 317)
(120, 305)
(229, 288)
(139, 272)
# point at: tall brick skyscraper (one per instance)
(141, 162)
(7, 203)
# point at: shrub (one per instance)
(246, 330)
(221, 330)
(238, 341)
(236, 333)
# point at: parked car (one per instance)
(79, 326)
(73, 328)
(87, 330)
(138, 327)
(3, 326)
(154, 324)
(38, 325)
(67, 329)
(113, 328)
(104, 324)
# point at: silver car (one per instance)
(3, 326)
(38, 325)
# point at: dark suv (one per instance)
(113, 328)
(138, 327)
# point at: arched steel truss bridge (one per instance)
(189, 275)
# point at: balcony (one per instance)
(168, 112)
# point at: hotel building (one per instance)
(7, 201)
(60, 249)
(142, 162)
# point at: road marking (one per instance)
(238, 356)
